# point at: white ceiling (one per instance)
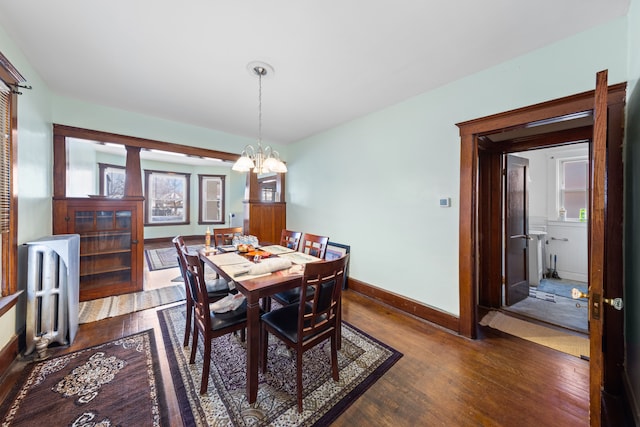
(334, 60)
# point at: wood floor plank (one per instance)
(442, 379)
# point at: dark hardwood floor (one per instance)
(442, 379)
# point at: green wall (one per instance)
(374, 183)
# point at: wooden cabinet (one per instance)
(265, 217)
(265, 220)
(111, 243)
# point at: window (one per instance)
(211, 200)
(112, 180)
(568, 183)
(574, 188)
(167, 197)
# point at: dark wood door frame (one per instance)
(480, 230)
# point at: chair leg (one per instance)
(187, 327)
(194, 346)
(334, 358)
(206, 363)
(299, 378)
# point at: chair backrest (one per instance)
(224, 236)
(178, 242)
(319, 311)
(198, 287)
(313, 245)
(290, 239)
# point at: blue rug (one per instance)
(561, 287)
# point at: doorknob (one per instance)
(613, 302)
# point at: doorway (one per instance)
(546, 239)
(483, 142)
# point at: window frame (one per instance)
(555, 180)
(562, 190)
(150, 175)
(202, 217)
(9, 250)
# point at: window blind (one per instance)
(5, 157)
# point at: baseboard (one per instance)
(407, 305)
(8, 355)
(169, 239)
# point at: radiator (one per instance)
(53, 279)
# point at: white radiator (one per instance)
(53, 280)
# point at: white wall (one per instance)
(374, 183)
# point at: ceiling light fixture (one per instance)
(261, 160)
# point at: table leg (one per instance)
(253, 348)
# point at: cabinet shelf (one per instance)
(105, 270)
(104, 234)
(106, 252)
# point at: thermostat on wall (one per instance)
(445, 202)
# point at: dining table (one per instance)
(254, 288)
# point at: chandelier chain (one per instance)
(261, 71)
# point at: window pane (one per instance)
(212, 199)
(575, 175)
(573, 202)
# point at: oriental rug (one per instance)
(117, 383)
(362, 361)
(160, 259)
(102, 308)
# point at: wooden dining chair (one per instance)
(310, 244)
(313, 320)
(207, 323)
(216, 289)
(224, 236)
(290, 239)
(313, 245)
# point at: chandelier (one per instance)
(261, 160)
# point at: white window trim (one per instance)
(554, 165)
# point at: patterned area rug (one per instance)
(362, 361)
(159, 259)
(101, 308)
(113, 384)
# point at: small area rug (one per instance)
(567, 343)
(561, 287)
(362, 361)
(113, 384)
(101, 308)
(159, 259)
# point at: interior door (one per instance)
(597, 248)
(516, 230)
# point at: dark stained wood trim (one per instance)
(405, 304)
(467, 242)
(553, 139)
(556, 108)
(490, 223)
(8, 354)
(96, 135)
